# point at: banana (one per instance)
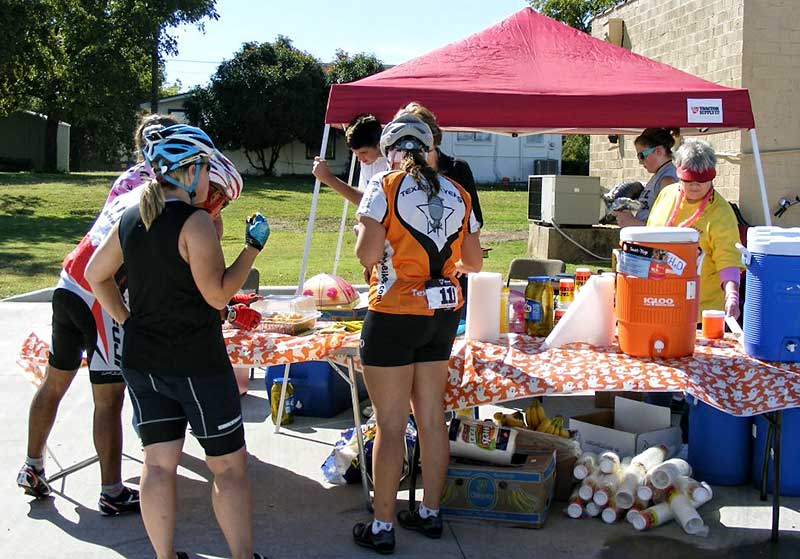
(447, 493)
(545, 426)
(540, 411)
(563, 433)
(531, 417)
(515, 419)
(522, 501)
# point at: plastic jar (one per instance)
(538, 306)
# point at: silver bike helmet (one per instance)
(406, 132)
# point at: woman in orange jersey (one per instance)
(416, 230)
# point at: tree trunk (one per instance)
(273, 158)
(154, 77)
(51, 142)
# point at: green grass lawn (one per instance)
(43, 216)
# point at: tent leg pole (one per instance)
(344, 217)
(312, 214)
(760, 174)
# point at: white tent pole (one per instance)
(344, 217)
(760, 173)
(312, 214)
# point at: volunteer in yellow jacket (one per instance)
(693, 202)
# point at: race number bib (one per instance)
(441, 294)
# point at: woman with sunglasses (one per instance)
(174, 359)
(654, 152)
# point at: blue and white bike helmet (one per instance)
(174, 147)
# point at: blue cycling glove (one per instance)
(256, 231)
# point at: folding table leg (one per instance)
(362, 458)
(767, 456)
(282, 401)
(776, 476)
(64, 472)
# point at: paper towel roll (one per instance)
(590, 317)
(483, 306)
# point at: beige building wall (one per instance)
(738, 43)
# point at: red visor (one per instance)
(689, 175)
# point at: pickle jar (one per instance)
(538, 306)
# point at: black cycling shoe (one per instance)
(430, 527)
(382, 542)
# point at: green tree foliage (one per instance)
(85, 62)
(154, 19)
(575, 13)
(25, 54)
(265, 97)
(346, 68)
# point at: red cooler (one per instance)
(658, 288)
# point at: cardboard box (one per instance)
(605, 399)
(567, 452)
(627, 430)
(513, 495)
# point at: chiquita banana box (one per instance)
(514, 495)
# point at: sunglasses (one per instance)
(642, 155)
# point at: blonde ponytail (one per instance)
(415, 164)
(152, 203)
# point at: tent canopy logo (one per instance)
(704, 110)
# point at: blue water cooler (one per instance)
(790, 453)
(772, 294)
(720, 445)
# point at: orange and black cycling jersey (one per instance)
(423, 239)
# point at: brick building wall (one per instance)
(738, 43)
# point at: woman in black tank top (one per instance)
(174, 361)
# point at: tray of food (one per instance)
(288, 322)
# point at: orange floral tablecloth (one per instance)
(718, 373)
(245, 349)
(262, 349)
(485, 373)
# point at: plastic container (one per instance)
(713, 324)
(286, 314)
(772, 294)
(720, 445)
(288, 402)
(657, 292)
(319, 391)
(790, 453)
(538, 306)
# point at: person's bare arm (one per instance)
(370, 242)
(200, 247)
(471, 253)
(325, 176)
(100, 273)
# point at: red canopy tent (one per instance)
(531, 74)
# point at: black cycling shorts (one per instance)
(393, 340)
(75, 331)
(209, 404)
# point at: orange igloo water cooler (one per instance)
(657, 291)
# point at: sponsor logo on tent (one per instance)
(704, 110)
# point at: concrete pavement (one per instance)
(297, 514)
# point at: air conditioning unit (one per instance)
(563, 199)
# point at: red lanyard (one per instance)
(688, 222)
